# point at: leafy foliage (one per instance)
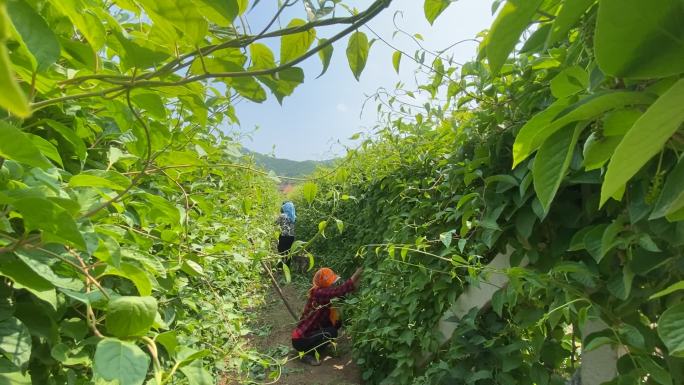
(132, 229)
(565, 152)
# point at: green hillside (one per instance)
(286, 167)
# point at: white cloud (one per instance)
(341, 107)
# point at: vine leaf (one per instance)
(15, 341)
(88, 24)
(16, 145)
(39, 39)
(130, 316)
(434, 8)
(325, 54)
(357, 53)
(555, 117)
(552, 163)
(309, 190)
(569, 14)
(671, 329)
(396, 60)
(670, 289)
(644, 140)
(121, 361)
(53, 220)
(672, 197)
(294, 45)
(221, 12)
(12, 98)
(639, 39)
(513, 19)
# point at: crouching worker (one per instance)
(319, 322)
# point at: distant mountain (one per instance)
(287, 167)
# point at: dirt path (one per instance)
(273, 339)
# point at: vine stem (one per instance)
(152, 347)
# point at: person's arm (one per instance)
(328, 293)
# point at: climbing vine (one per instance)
(559, 145)
(132, 229)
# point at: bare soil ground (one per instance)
(272, 338)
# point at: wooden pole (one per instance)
(280, 292)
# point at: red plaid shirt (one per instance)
(317, 308)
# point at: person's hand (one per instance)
(356, 277)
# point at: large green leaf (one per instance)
(325, 54)
(672, 197)
(640, 39)
(35, 33)
(47, 149)
(12, 98)
(309, 190)
(295, 45)
(130, 316)
(197, 374)
(184, 15)
(135, 274)
(552, 162)
(121, 361)
(221, 12)
(70, 136)
(11, 375)
(357, 53)
(645, 139)
(544, 124)
(99, 178)
(262, 57)
(88, 24)
(52, 219)
(15, 341)
(433, 8)
(16, 145)
(570, 81)
(671, 329)
(569, 14)
(513, 19)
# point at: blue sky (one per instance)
(318, 119)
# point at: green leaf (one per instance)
(570, 81)
(620, 285)
(16, 145)
(670, 289)
(525, 142)
(671, 329)
(446, 238)
(130, 316)
(262, 57)
(12, 98)
(433, 8)
(396, 60)
(221, 12)
(35, 33)
(47, 149)
(309, 190)
(655, 371)
(340, 225)
(135, 274)
(645, 139)
(357, 53)
(150, 102)
(184, 15)
(121, 361)
(506, 29)
(15, 341)
(88, 23)
(70, 136)
(671, 198)
(11, 375)
(544, 124)
(286, 273)
(567, 18)
(597, 151)
(52, 219)
(197, 374)
(284, 83)
(325, 54)
(640, 39)
(294, 45)
(552, 162)
(99, 178)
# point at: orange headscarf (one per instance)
(325, 277)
